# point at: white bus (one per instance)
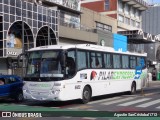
(68, 72)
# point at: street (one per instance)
(146, 100)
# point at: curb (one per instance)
(149, 94)
(151, 87)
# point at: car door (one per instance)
(15, 85)
(5, 89)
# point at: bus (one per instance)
(82, 71)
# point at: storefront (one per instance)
(24, 25)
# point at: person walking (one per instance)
(154, 74)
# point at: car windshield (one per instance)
(44, 64)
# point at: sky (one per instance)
(153, 1)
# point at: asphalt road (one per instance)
(146, 100)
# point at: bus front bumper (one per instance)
(41, 96)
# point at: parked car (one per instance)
(11, 87)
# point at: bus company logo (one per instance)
(93, 75)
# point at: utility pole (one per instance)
(48, 27)
(23, 49)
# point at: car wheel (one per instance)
(19, 97)
(86, 95)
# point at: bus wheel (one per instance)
(86, 95)
(133, 89)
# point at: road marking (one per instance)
(84, 107)
(105, 100)
(66, 117)
(54, 107)
(149, 103)
(92, 110)
(88, 118)
(72, 108)
(149, 94)
(134, 102)
(129, 95)
(81, 107)
(117, 101)
(158, 107)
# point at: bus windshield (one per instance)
(44, 64)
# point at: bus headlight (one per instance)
(25, 89)
(56, 92)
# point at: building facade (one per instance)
(151, 25)
(24, 25)
(128, 14)
(70, 28)
(104, 26)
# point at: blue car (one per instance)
(11, 87)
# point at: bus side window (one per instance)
(92, 63)
(132, 62)
(71, 66)
(70, 63)
(107, 60)
(97, 63)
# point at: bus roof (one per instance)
(85, 47)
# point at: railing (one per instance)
(139, 48)
(77, 26)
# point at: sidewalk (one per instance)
(153, 83)
(151, 88)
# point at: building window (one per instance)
(106, 4)
(132, 23)
(132, 12)
(120, 18)
(126, 10)
(127, 21)
(104, 27)
(69, 19)
(137, 24)
(120, 6)
(137, 14)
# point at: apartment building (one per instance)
(128, 14)
(104, 26)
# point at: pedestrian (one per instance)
(154, 74)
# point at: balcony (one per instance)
(81, 33)
(139, 4)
